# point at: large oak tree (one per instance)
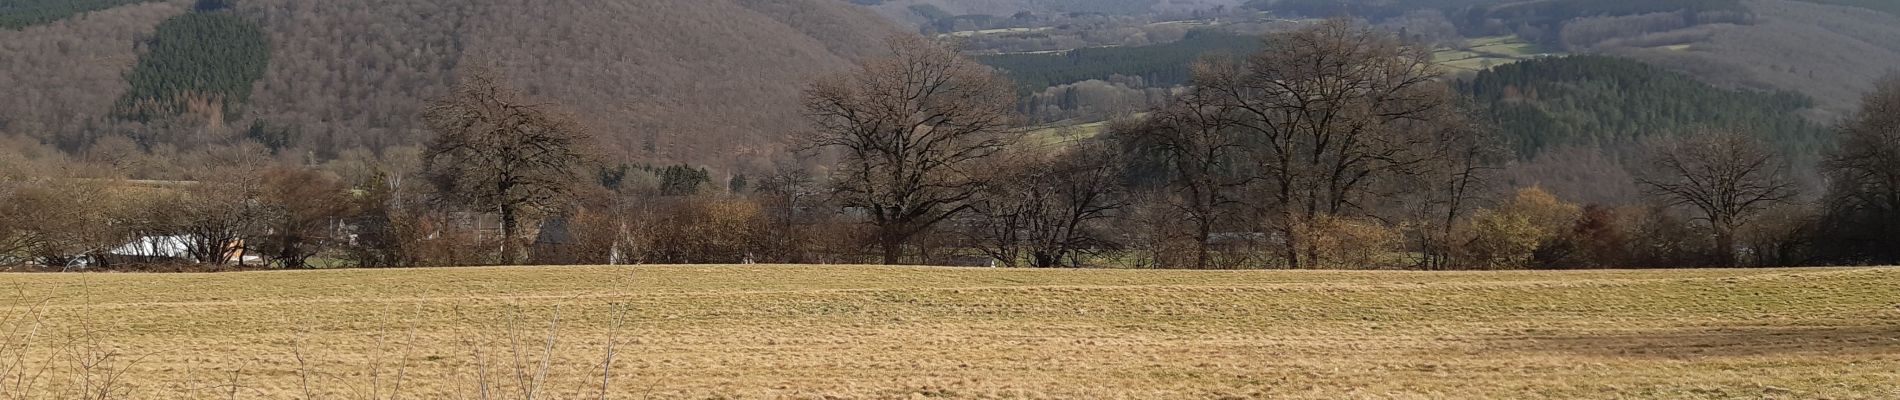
(912, 130)
(497, 149)
(1725, 177)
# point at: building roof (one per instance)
(156, 246)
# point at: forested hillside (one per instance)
(1579, 125)
(1826, 49)
(1159, 65)
(701, 76)
(703, 82)
(16, 14)
(1827, 52)
(62, 78)
(1612, 103)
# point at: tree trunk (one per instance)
(1725, 246)
(510, 223)
(1046, 259)
(1292, 246)
(289, 253)
(892, 249)
(1201, 256)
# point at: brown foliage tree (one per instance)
(496, 149)
(912, 129)
(1599, 240)
(705, 229)
(1663, 238)
(1518, 232)
(1726, 178)
(1346, 243)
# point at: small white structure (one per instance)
(156, 247)
(175, 248)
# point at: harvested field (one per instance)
(881, 332)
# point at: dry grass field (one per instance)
(872, 333)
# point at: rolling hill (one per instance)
(60, 76)
(1826, 49)
(921, 11)
(709, 82)
(703, 82)
(1829, 52)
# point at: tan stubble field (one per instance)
(851, 332)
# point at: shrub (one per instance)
(1349, 243)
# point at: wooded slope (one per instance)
(712, 82)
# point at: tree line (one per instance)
(18, 14)
(1335, 146)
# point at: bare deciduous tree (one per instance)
(1327, 111)
(912, 129)
(384, 225)
(1448, 186)
(306, 209)
(1200, 152)
(1726, 178)
(212, 218)
(57, 223)
(1864, 201)
(497, 149)
(1046, 205)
